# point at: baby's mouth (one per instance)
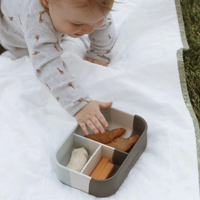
(79, 34)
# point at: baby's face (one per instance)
(75, 21)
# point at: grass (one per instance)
(191, 17)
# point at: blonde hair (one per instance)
(104, 5)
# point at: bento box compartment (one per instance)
(75, 141)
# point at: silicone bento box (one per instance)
(123, 161)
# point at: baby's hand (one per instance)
(91, 116)
(96, 61)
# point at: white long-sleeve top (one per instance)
(27, 24)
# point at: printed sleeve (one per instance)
(102, 41)
(43, 43)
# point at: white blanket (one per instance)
(142, 79)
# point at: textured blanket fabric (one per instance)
(142, 79)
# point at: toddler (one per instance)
(39, 25)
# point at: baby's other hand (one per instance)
(99, 62)
(91, 116)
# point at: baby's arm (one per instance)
(102, 41)
(43, 43)
(45, 52)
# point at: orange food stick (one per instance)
(98, 169)
(106, 171)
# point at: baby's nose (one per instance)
(87, 29)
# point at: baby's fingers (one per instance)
(102, 119)
(84, 128)
(92, 125)
(97, 125)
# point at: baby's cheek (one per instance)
(67, 29)
(100, 24)
(71, 29)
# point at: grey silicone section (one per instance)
(62, 174)
(123, 163)
(62, 158)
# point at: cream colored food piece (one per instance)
(78, 159)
